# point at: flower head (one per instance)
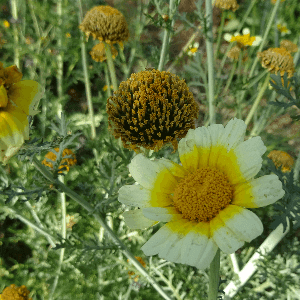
(227, 4)
(14, 292)
(193, 49)
(18, 99)
(244, 40)
(6, 24)
(289, 46)
(66, 162)
(277, 60)
(204, 201)
(282, 28)
(281, 158)
(150, 109)
(98, 52)
(234, 53)
(105, 23)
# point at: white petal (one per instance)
(152, 175)
(245, 224)
(227, 37)
(224, 237)
(216, 131)
(134, 195)
(207, 255)
(257, 41)
(258, 192)
(246, 31)
(166, 214)
(233, 134)
(136, 220)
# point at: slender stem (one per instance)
(220, 31)
(165, 44)
(59, 72)
(257, 100)
(107, 80)
(14, 13)
(210, 62)
(111, 66)
(42, 169)
(214, 270)
(33, 226)
(265, 37)
(62, 197)
(87, 84)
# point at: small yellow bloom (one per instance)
(6, 24)
(66, 162)
(68, 35)
(106, 87)
(282, 28)
(14, 292)
(193, 49)
(244, 40)
(70, 222)
(283, 159)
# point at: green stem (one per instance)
(220, 32)
(63, 188)
(166, 39)
(14, 13)
(59, 72)
(214, 276)
(210, 62)
(62, 197)
(257, 100)
(111, 66)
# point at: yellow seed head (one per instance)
(14, 292)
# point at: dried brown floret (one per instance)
(283, 159)
(227, 4)
(98, 52)
(106, 24)
(289, 46)
(150, 109)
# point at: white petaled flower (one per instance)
(193, 49)
(203, 202)
(243, 40)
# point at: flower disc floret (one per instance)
(277, 60)
(202, 194)
(14, 292)
(106, 24)
(150, 109)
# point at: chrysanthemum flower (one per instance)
(283, 159)
(6, 24)
(66, 162)
(277, 60)
(204, 201)
(227, 4)
(282, 28)
(193, 49)
(105, 23)
(98, 52)
(150, 109)
(289, 46)
(18, 99)
(244, 40)
(14, 292)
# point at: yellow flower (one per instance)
(68, 35)
(6, 24)
(14, 292)
(244, 40)
(150, 109)
(281, 158)
(193, 49)
(98, 52)
(277, 60)
(18, 99)
(289, 46)
(66, 162)
(70, 222)
(204, 201)
(227, 4)
(282, 27)
(106, 24)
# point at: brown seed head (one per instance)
(277, 60)
(289, 46)
(227, 4)
(98, 52)
(150, 109)
(281, 158)
(14, 292)
(105, 23)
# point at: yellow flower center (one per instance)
(202, 194)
